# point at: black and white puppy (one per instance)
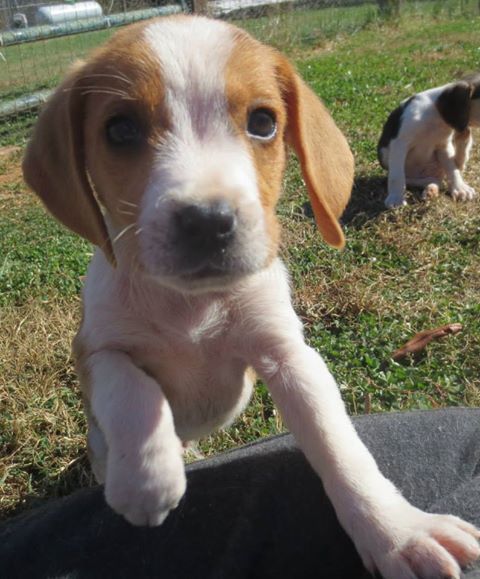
(427, 140)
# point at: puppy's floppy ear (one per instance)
(54, 164)
(325, 157)
(454, 103)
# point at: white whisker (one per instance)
(123, 212)
(94, 89)
(106, 75)
(128, 203)
(123, 96)
(124, 230)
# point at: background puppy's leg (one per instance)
(145, 476)
(459, 190)
(431, 191)
(431, 186)
(392, 536)
(463, 145)
(396, 173)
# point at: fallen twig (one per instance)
(420, 340)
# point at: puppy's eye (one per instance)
(123, 131)
(262, 124)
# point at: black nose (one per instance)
(208, 225)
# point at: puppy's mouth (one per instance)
(207, 275)
(206, 271)
(219, 272)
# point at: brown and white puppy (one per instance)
(427, 139)
(166, 149)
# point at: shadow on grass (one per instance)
(367, 203)
(367, 200)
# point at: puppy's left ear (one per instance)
(324, 155)
(454, 103)
(54, 164)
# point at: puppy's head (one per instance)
(459, 103)
(168, 147)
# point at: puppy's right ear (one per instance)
(454, 103)
(54, 164)
(323, 152)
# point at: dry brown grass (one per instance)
(41, 422)
(10, 170)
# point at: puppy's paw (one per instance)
(395, 201)
(463, 193)
(431, 191)
(146, 487)
(418, 545)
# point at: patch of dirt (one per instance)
(11, 178)
(12, 187)
(8, 151)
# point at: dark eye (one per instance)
(262, 124)
(123, 131)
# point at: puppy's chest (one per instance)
(187, 348)
(193, 358)
(428, 135)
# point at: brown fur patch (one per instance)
(251, 83)
(123, 78)
(324, 155)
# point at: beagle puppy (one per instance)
(427, 140)
(166, 149)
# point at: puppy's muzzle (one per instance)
(206, 229)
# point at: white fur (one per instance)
(426, 151)
(200, 157)
(167, 364)
(195, 349)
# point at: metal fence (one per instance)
(40, 38)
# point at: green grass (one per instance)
(402, 271)
(37, 65)
(39, 258)
(293, 30)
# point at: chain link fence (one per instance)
(39, 39)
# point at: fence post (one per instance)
(390, 8)
(200, 7)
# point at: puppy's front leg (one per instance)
(463, 144)
(459, 190)
(397, 154)
(145, 476)
(392, 536)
